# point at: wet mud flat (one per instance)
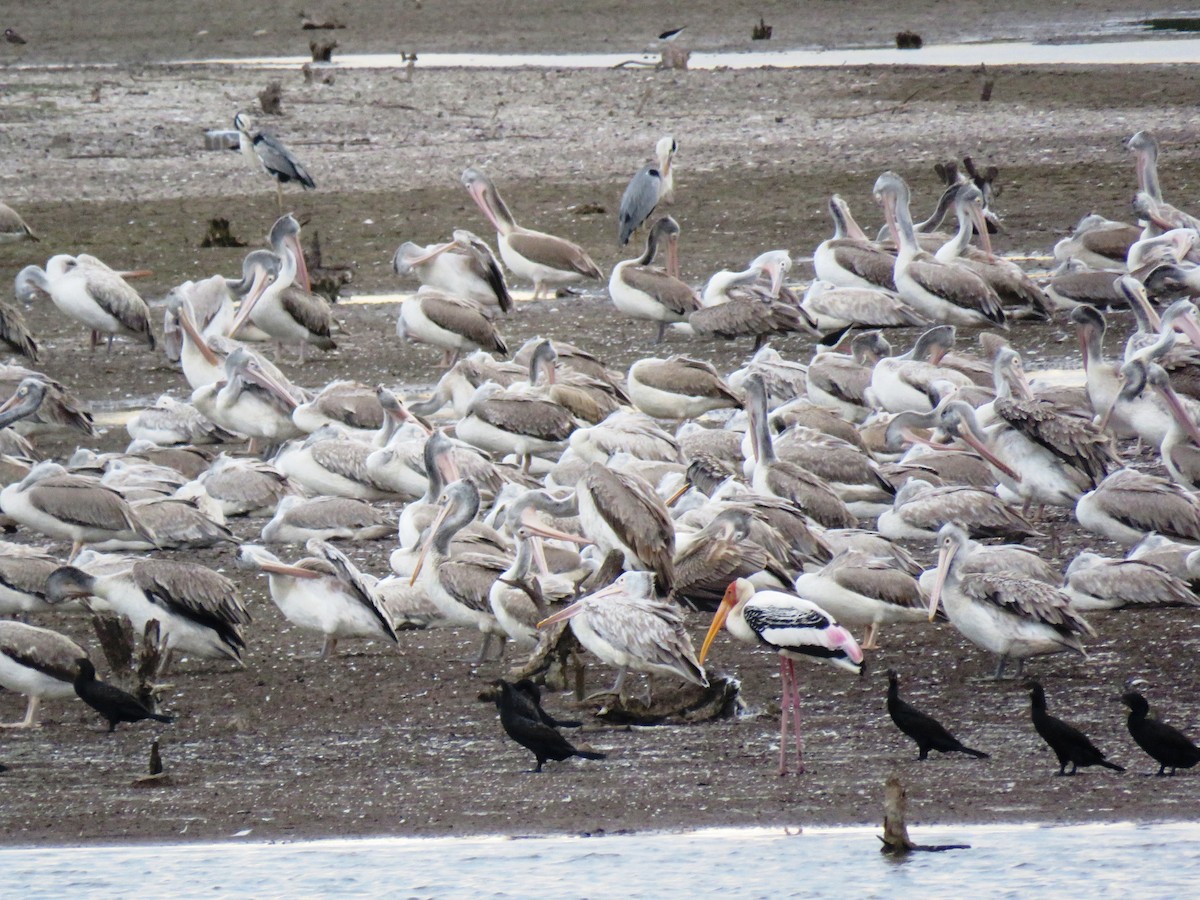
(395, 741)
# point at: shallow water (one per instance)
(1004, 861)
(993, 53)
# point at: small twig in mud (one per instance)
(645, 99)
(887, 109)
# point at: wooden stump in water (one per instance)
(115, 635)
(322, 51)
(896, 841)
(219, 235)
(909, 40)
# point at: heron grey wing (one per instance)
(355, 584)
(675, 295)
(279, 161)
(542, 419)
(463, 317)
(15, 333)
(1027, 599)
(638, 202)
(312, 311)
(554, 252)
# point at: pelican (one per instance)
(274, 303)
(459, 585)
(588, 398)
(1011, 617)
(625, 430)
(785, 480)
(902, 383)
(251, 401)
(265, 149)
(1073, 285)
(169, 421)
(839, 382)
(23, 574)
(324, 592)
(1102, 377)
(678, 388)
(833, 307)
(15, 333)
(453, 323)
(1098, 243)
(629, 627)
(920, 510)
(198, 610)
(58, 410)
(331, 462)
(92, 293)
(297, 519)
(1180, 447)
(721, 551)
(794, 628)
(644, 291)
(862, 591)
(462, 267)
(503, 423)
(13, 227)
(652, 184)
(1128, 504)
(352, 406)
(1144, 147)
(245, 486)
(849, 258)
(516, 599)
(76, 507)
(39, 663)
(938, 291)
(620, 511)
(1094, 582)
(548, 261)
(734, 304)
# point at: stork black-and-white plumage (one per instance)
(271, 153)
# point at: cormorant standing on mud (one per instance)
(111, 702)
(528, 697)
(1069, 744)
(532, 732)
(925, 730)
(1170, 747)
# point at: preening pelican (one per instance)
(645, 291)
(92, 293)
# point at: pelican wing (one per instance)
(197, 593)
(649, 630)
(26, 574)
(810, 493)
(114, 295)
(1031, 600)
(957, 285)
(704, 570)
(354, 583)
(1073, 439)
(487, 267)
(675, 295)
(15, 333)
(468, 578)
(631, 508)
(877, 578)
(84, 501)
(464, 317)
(553, 252)
(1132, 582)
(347, 458)
(312, 311)
(40, 649)
(326, 512)
(354, 409)
(1112, 242)
(685, 376)
(867, 262)
(840, 377)
(542, 419)
(979, 511)
(1149, 503)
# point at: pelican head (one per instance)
(260, 270)
(776, 263)
(488, 199)
(284, 238)
(24, 402)
(952, 540)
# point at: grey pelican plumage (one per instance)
(734, 304)
(921, 509)
(263, 148)
(330, 462)
(23, 574)
(1128, 504)
(905, 382)
(629, 627)
(1144, 147)
(1011, 617)
(58, 409)
(183, 521)
(39, 663)
(548, 261)
(459, 584)
(297, 519)
(650, 185)
(197, 609)
(863, 591)
(15, 333)
(832, 307)
(620, 511)
(245, 486)
(1098, 243)
(644, 291)
(462, 267)
(324, 592)
(678, 388)
(839, 381)
(516, 598)
(455, 324)
(169, 421)
(1094, 582)
(625, 430)
(502, 423)
(275, 304)
(350, 405)
(795, 629)
(252, 401)
(850, 258)
(92, 293)
(941, 292)
(13, 227)
(589, 399)
(70, 507)
(724, 549)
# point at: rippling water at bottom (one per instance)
(1159, 860)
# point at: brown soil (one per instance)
(378, 741)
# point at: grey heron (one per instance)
(652, 184)
(276, 159)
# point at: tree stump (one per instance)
(762, 31)
(322, 51)
(270, 99)
(219, 235)
(895, 838)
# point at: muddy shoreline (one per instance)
(385, 741)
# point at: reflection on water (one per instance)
(995, 53)
(1012, 860)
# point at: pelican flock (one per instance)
(583, 503)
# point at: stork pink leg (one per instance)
(785, 698)
(798, 733)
